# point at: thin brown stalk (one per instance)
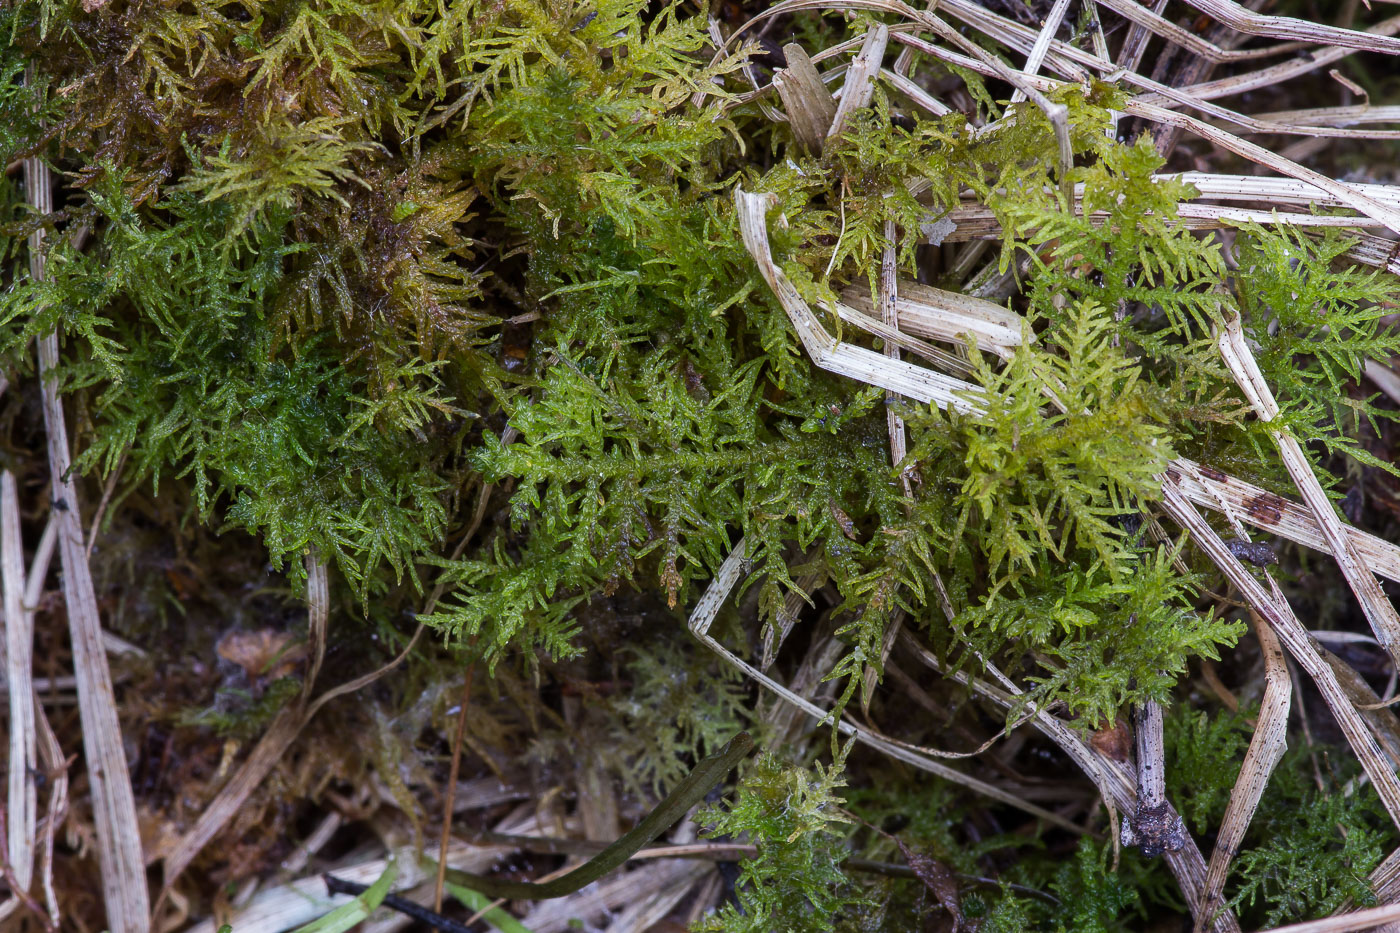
(445, 840)
(107, 489)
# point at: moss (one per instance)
(351, 262)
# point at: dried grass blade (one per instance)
(1116, 786)
(859, 88)
(1281, 190)
(949, 316)
(1243, 19)
(55, 768)
(1266, 747)
(1279, 615)
(1367, 919)
(826, 352)
(22, 795)
(1036, 57)
(113, 803)
(1385, 622)
(1217, 490)
(808, 103)
(704, 615)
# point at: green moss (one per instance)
(351, 262)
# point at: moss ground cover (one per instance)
(452, 297)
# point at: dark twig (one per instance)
(1155, 826)
(403, 905)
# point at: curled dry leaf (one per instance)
(262, 654)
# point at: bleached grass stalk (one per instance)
(1266, 748)
(826, 352)
(120, 863)
(1036, 57)
(1370, 918)
(1274, 609)
(22, 796)
(859, 89)
(1385, 622)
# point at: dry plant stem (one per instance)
(889, 293)
(805, 98)
(1116, 786)
(1382, 720)
(108, 488)
(703, 616)
(22, 796)
(1242, 19)
(860, 79)
(1036, 57)
(826, 352)
(1150, 21)
(114, 806)
(445, 839)
(1368, 919)
(1154, 826)
(1379, 612)
(1266, 747)
(1274, 609)
(1215, 490)
(20, 894)
(55, 767)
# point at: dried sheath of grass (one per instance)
(22, 796)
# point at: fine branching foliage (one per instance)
(344, 267)
(795, 882)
